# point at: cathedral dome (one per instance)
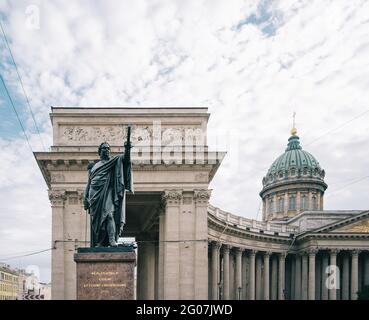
(294, 163)
(294, 183)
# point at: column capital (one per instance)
(355, 252)
(226, 247)
(202, 196)
(252, 252)
(334, 251)
(267, 253)
(215, 244)
(57, 197)
(172, 197)
(312, 251)
(238, 250)
(282, 255)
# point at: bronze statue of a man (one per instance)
(105, 193)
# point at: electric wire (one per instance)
(16, 113)
(21, 83)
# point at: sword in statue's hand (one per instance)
(128, 145)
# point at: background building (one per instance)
(8, 283)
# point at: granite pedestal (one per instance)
(105, 273)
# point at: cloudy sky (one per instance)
(253, 63)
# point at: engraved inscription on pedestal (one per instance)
(105, 275)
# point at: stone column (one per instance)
(238, 273)
(298, 277)
(304, 277)
(214, 269)
(258, 291)
(345, 277)
(201, 199)
(244, 276)
(285, 213)
(274, 280)
(266, 275)
(354, 273)
(281, 275)
(225, 272)
(252, 256)
(333, 262)
(57, 200)
(161, 254)
(312, 254)
(318, 277)
(231, 275)
(145, 268)
(324, 277)
(172, 259)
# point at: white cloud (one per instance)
(191, 53)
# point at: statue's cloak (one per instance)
(106, 194)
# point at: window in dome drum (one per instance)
(292, 203)
(303, 202)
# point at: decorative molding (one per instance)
(57, 197)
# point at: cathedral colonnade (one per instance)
(249, 274)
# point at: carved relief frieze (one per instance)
(116, 134)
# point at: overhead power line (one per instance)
(21, 83)
(338, 127)
(16, 113)
(25, 255)
(347, 185)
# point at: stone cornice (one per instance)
(332, 235)
(294, 184)
(78, 161)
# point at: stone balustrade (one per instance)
(251, 224)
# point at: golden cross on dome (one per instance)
(294, 130)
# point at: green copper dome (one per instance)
(294, 163)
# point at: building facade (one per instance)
(188, 249)
(8, 283)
